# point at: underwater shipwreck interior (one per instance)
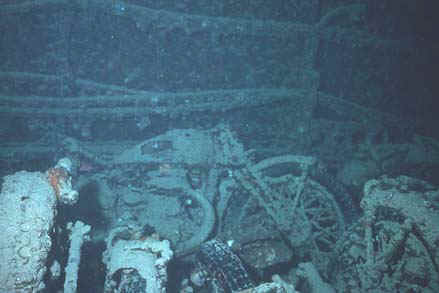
(219, 146)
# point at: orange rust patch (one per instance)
(55, 176)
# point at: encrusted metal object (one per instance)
(297, 207)
(393, 246)
(223, 267)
